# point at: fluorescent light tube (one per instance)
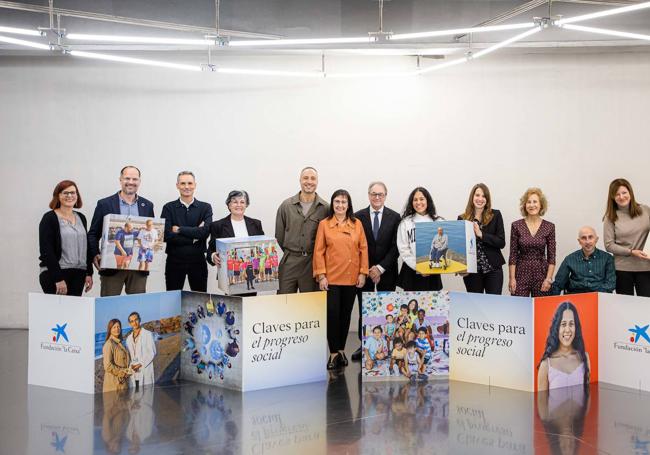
(22, 42)
(371, 75)
(296, 42)
(139, 39)
(256, 72)
(507, 42)
(603, 31)
(458, 31)
(608, 12)
(137, 61)
(440, 66)
(20, 31)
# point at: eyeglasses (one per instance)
(378, 195)
(69, 193)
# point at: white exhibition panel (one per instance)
(285, 340)
(491, 340)
(61, 342)
(624, 340)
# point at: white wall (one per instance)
(566, 122)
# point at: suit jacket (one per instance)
(494, 239)
(382, 251)
(222, 229)
(111, 205)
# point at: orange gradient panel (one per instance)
(587, 306)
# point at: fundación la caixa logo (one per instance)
(60, 341)
(639, 341)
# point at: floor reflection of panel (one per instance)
(486, 420)
(405, 417)
(624, 421)
(60, 421)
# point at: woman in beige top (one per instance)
(625, 228)
(116, 359)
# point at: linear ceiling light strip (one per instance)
(604, 31)
(298, 42)
(261, 72)
(609, 12)
(139, 39)
(432, 34)
(20, 31)
(137, 61)
(22, 42)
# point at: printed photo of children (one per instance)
(405, 335)
(126, 237)
(250, 266)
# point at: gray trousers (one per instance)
(296, 274)
(132, 281)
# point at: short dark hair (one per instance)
(55, 203)
(130, 167)
(421, 310)
(378, 327)
(403, 306)
(422, 329)
(238, 193)
(410, 344)
(398, 340)
(134, 313)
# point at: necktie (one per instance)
(375, 225)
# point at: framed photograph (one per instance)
(133, 243)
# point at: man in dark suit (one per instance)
(187, 222)
(124, 202)
(380, 226)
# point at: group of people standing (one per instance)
(333, 248)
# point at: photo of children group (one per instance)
(405, 335)
(251, 264)
(125, 237)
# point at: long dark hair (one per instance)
(610, 212)
(431, 208)
(111, 323)
(553, 339)
(349, 214)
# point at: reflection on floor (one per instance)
(340, 416)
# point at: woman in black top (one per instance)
(490, 239)
(66, 265)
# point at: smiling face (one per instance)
(116, 330)
(186, 185)
(567, 331)
(376, 333)
(134, 321)
(237, 206)
(479, 200)
(533, 206)
(340, 205)
(389, 318)
(587, 239)
(308, 181)
(419, 203)
(377, 196)
(130, 181)
(68, 197)
(622, 197)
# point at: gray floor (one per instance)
(340, 416)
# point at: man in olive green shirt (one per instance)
(296, 224)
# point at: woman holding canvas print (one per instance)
(116, 359)
(340, 266)
(490, 240)
(565, 362)
(419, 208)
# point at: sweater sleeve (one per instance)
(404, 245)
(609, 235)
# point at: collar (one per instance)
(296, 199)
(372, 211)
(122, 201)
(187, 206)
(584, 258)
(333, 222)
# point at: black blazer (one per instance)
(382, 251)
(111, 205)
(494, 239)
(49, 242)
(222, 229)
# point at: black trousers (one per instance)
(340, 300)
(384, 285)
(488, 283)
(75, 279)
(628, 282)
(196, 273)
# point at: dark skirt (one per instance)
(408, 280)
